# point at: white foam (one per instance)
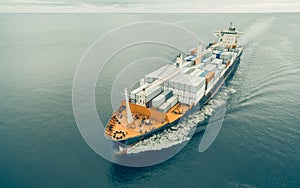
(184, 130)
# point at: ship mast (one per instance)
(128, 111)
(179, 61)
(199, 52)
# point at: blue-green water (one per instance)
(258, 145)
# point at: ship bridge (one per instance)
(229, 36)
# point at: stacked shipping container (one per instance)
(190, 84)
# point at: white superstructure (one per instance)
(228, 37)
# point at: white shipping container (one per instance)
(222, 67)
(210, 86)
(217, 62)
(193, 96)
(207, 61)
(157, 101)
(174, 83)
(186, 94)
(194, 72)
(134, 92)
(191, 70)
(175, 91)
(180, 92)
(213, 57)
(216, 79)
(173, 100)
(178, 81)
(186, 100)
(164, 107)
(188, 86)
(186, 64)
(226, 55)
(207, 53)
(171, 84)
(181, 81)
(152, 95)
(161, 73)
(200, 66)
(199, 94)
(200, 72)
(151, 92)
(180, 99)
(184, 70)
(217, 74)
(210, 67)
(188, 83)
(222, 70)
(197, 83)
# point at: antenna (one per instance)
(231, 28)
(128, 111)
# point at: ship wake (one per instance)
(185, 129)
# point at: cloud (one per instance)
(147, 6)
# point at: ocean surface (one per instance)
(41, 146)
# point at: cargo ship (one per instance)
(174, 91)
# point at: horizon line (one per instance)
(250, 12)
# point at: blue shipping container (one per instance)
(168, 94)
(203, 74)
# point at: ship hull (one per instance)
(227, 75)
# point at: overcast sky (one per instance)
(152, 6)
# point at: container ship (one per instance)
(175, 90)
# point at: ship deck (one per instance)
(144, 120)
